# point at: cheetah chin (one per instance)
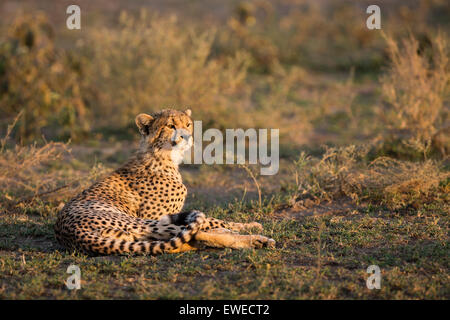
(179, 150)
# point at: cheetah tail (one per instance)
(116, 246)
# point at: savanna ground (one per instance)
(364, 141)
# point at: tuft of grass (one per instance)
(346, 172)
(255, 181)
(24, 169)
(28, 173)
(40, 80)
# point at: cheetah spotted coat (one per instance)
(137, 208)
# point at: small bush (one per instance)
(39, 80)
(24, 170)
(415, 89)
(33, 171)
(346, 172)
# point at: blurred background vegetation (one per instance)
(310, 68)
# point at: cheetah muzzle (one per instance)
(137, 208)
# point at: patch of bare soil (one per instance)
(311, 208)
(214, 185)
(29, 243)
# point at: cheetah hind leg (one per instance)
(219, 234)
(219, 238)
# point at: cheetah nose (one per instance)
(185, 136)
(180, 135)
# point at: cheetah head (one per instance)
(168, 132)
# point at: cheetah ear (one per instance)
(143, 121)
(188, 112)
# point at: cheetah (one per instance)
(137, 209)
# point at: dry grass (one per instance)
(253, 71)
(41, 80)
(326, 37)
(416, 88)
(32, 172)
(345, 172)
(150, 62)
(255, 181)
(24, 170)
(399, 184)
(307, 68)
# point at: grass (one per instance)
(322, 252)
(349, 172)
(415, 88)
(410, 248)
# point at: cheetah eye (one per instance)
(188, 125)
